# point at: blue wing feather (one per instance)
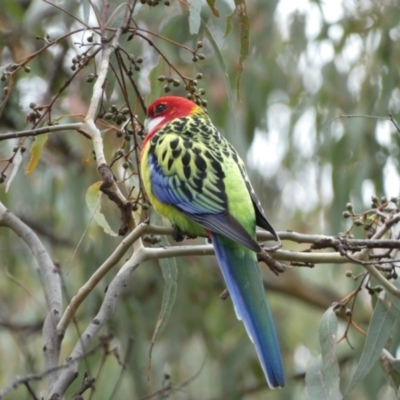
(212, 216)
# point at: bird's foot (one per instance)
(178, 235)
(275, 266)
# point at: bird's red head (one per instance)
(165, 109)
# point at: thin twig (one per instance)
(40, 131)
(37, 377)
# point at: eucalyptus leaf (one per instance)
(244, 29)
(214, 10)
(391, 368)
(322, 377)
(93, 195)
(194, 16)
(170, 274)
(36, 151)
(378, 334)
(16, 162)
(86, 10)
(155, 84)
(221, 63)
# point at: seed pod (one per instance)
(346, 214)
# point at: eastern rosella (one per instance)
(195, 178)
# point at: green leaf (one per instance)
(244, 27)
(395, 300)
(194, 16)
(221, 63)
(36, 151)
(86, 10)
(170, 274)
(211, 4)
(315, 382)
(391, 368)
(378, 334)
(14, 9)
(322, 377)
(110, 81)
(16, 162)
(228, 24)
(93, 195)
(155, 85)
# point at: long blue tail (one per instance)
(243, 278)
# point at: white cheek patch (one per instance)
(151, 124)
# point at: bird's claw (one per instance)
(275, 266)
(178, 235)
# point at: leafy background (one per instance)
(308, 63)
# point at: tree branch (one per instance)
(40, 131)
(110, 186)
(87, 288)
(370, 268)
(302, 257)
(51, 284)
(114, 290)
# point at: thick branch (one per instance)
(110, 186)
(87, 288)
(114, 290)
(51, 285)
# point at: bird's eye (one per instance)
(160, 108)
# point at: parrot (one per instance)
(195, 178)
